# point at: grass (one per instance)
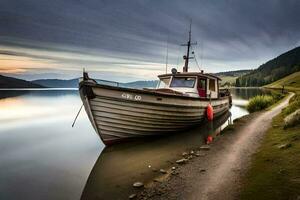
(261, 102)
(291, 82)
(294, 104)
(275, 172)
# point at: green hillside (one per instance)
(273, 70)
(290, 82)
(229, 77)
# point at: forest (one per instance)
(273, 70)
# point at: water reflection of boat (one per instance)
(179, 102)
(121, 165)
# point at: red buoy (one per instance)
(209, 139)
(210, 112)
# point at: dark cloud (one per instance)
(233, 32)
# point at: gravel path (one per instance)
(218, 174)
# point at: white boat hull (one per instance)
(122, 113)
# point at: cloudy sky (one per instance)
(126, 40)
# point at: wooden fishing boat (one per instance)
(180, 101)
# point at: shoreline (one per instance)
(218, 172)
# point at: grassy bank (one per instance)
(291, 82)
(262, 102)
(275, 169)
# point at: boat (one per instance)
(180, 101)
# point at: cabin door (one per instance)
(201, 87)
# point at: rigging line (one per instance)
(196, 60)
(197, 64)
(167, 56)
(179, 47)
(201, 53)
(77, 116)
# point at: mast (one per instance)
(188, 44)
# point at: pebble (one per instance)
(132, 196)
(173, 168)
(200, 154)
(181, 161)
(138, 184)
(192, 152)
(162, 171)
(184, 154)
(284, 146)
(205, 147)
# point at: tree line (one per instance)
(273, 70)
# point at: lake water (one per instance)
(43, 157)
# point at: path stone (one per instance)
(184, 154)
(132, 196)
(138, 184)
(199, 153)
(285, 146)
(205, 147)
(181, 161)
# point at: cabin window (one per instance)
(164, 83)
(183, 82)
(201, 84)
(212, 85)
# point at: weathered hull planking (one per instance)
(123, 113)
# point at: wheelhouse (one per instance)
(201, 85)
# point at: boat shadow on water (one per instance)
(119, 166)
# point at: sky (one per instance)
(127, 40)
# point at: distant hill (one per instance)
(9, 82)
(273, 70)
(291, 82)
(234, 73)
(229, 77)
(73, 83)
(57, 83)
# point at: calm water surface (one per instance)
(43, 157)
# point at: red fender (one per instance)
(210, 112)
(209, 139)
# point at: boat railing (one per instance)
(224, 92)
(109, 83)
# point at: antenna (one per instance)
(167, 56)
(188, 44)
(201, 55)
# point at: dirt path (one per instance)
(217, 175)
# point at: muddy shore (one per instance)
(217, 172)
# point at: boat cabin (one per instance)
(193, 84)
